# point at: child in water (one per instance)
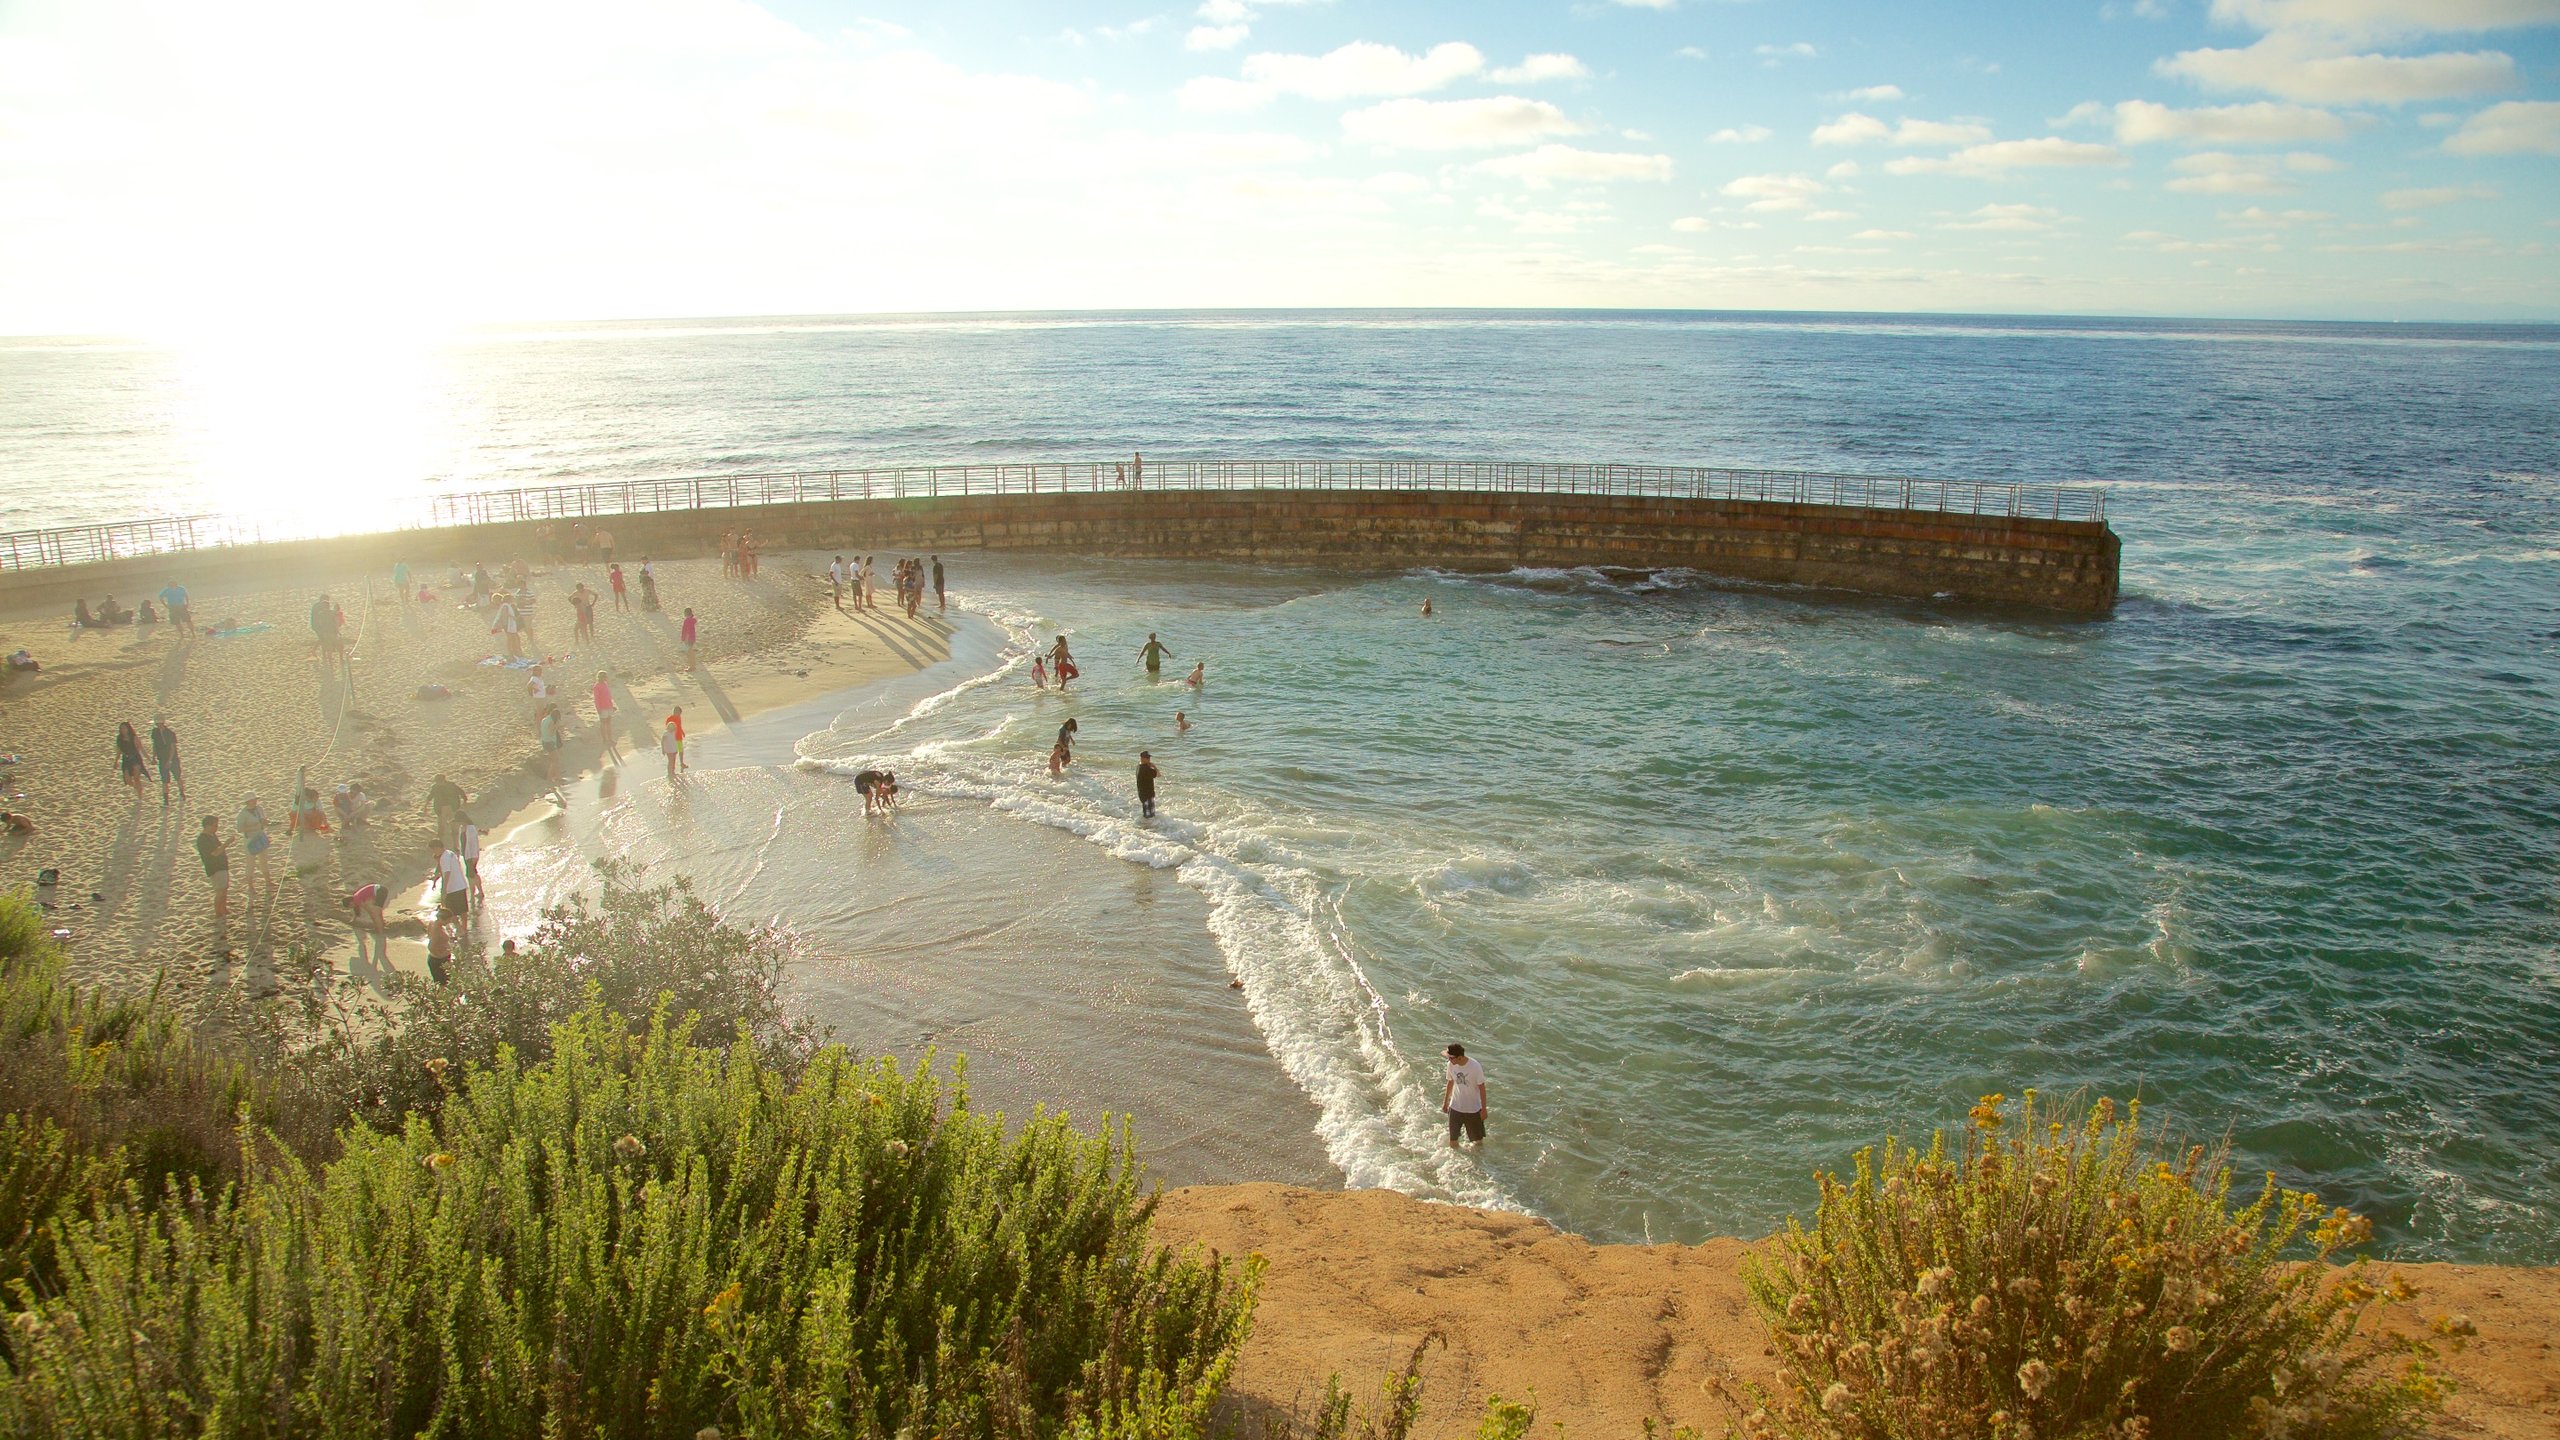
(1039, 672)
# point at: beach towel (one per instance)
(236, 631)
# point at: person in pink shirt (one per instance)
(687, 632)
(604, 716)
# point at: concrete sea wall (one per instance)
(2066, 566)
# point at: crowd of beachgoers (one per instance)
(320, 747)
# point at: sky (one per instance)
(176, 168)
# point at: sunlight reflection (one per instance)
(317, 433)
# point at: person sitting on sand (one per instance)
(110, 613)
(17, 824)
(147, 615)
(81, 617)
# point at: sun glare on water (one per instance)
(315, 430)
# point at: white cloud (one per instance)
(1740, 135)
(1857, 129)
(1225, 12)
(1564, 164)
(1458, 124)
(2515, 127)
(2263, 122)
(2255, 215)
(2382, 18)
(1852, 129)
(1832, 215)
(1775, 192)
(1772, 54)
(1648, 4)
(2421, 199)
(1884, 235)
(1873, 94)
(1693, 224)
(2002, 156)
(2006, 217)
(1536, 69)
(1359, 70)
(2308, 162)
(1690, 52)
(1395, 182)
(2299, 68)
(1845, 170)
(1216, 37)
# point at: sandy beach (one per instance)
(1606, 1337)
(254, 710)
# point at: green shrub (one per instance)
(643, 1237)
(633, 949)
(2073, 1280)
(98, 1089)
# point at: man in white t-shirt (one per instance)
(453, 900)
(1462, 1095)
(835, 580)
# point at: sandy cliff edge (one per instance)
(1606, 1336)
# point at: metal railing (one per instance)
(84, 544)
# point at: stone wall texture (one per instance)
(2065, 566)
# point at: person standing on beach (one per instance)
(365, 917)
(547, 728)
(613, 582)
(1154, 653)
(583, 600)
(164, 757)
(1462, 1095)
(688, 632)
(440, 950)
(604, 716)
(400, 580)
(217, 870)
(1147, 774)
(445, 799)
(648, 585)
(671, 741)
(309, 849)
(604, 545)
(835, 582)
(941, 605)
(509, 624)
(466, 842)
(256, 842)
(180, 614)
(453, 885)
(129, 766)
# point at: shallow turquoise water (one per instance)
(1723, 882)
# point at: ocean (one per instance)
(1720, 881)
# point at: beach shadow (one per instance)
(900, 645)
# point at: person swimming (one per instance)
(1199, 675)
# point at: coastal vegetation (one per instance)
(612, 1186)
(2073, 1274)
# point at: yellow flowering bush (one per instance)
(2046, 1277)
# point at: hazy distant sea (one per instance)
(1721, 880)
